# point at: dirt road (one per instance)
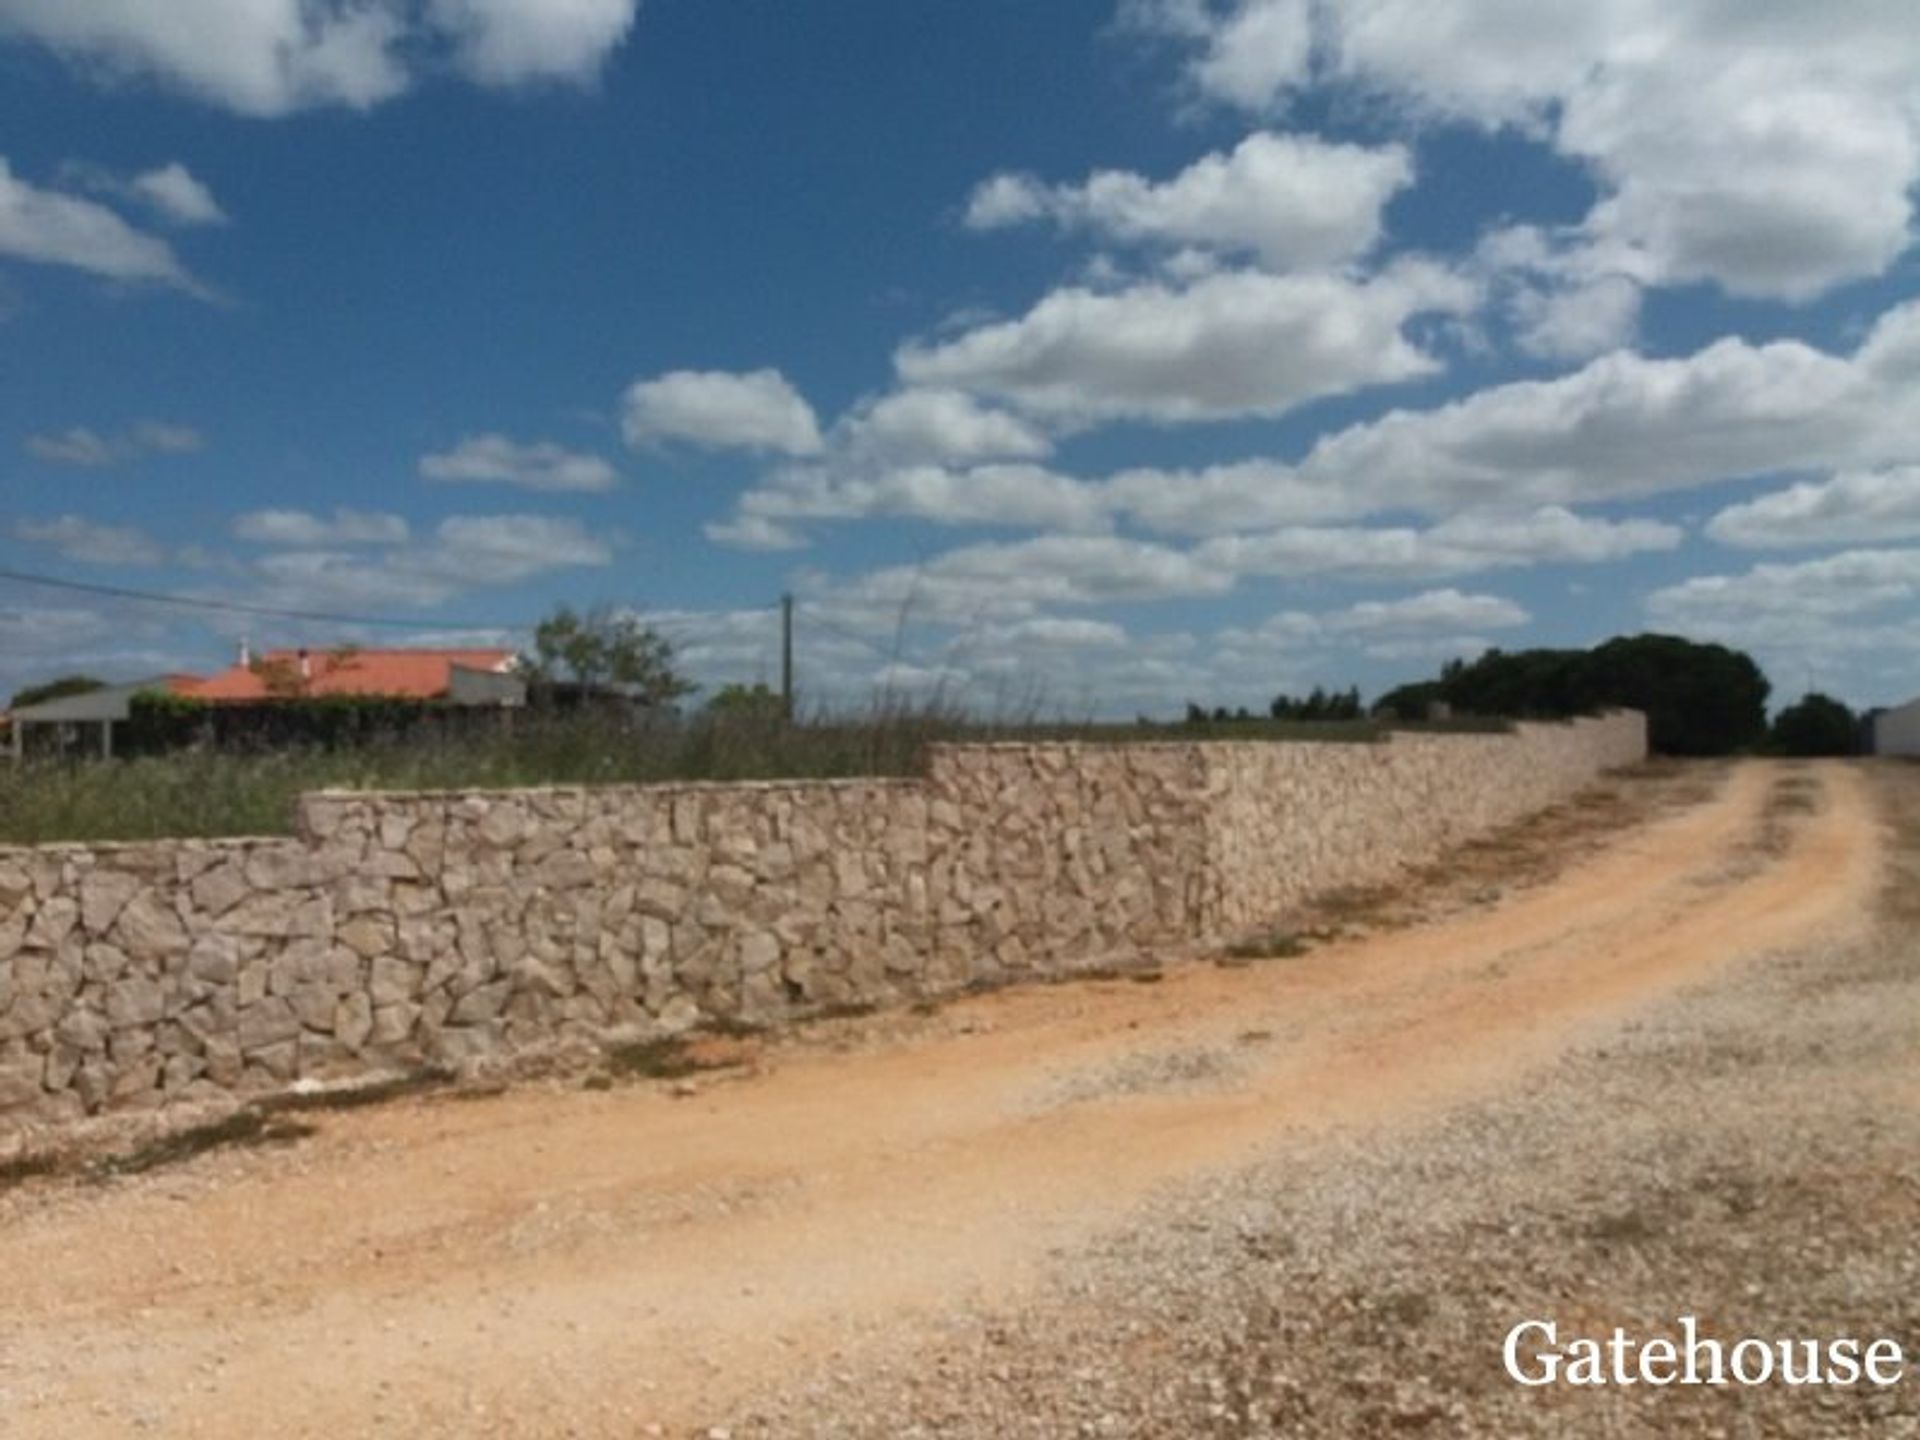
(567, 1262)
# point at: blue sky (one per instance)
(1101, 354)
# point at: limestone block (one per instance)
(135, 1000)
(103, 895)
(314, 1003)
(218, 890)
(104, 963)
(84, 1030)
(393, 981)
(759, 952)
(53, 921)
(483, 1003)
(214, 959)
(368, 935)
(270, 1022)
(393, 1023)
(352, 1021)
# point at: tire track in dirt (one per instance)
(543, 1263)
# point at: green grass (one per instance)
(212, 792)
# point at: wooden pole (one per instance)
(786, 657)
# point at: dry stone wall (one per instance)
(396, 930)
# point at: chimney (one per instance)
(306, 664)
(246, 654)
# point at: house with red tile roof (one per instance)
(465, 677)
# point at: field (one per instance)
(1644, 1056)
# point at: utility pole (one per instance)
(786, 657)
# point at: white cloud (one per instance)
(85, 447)
(1292, 201)
(1770, 147)
(1621, 427)
(754, 532)
(173, 190)
(1251, 54)
(1855, 507)
(542, 465)
(756, 410)
(1572, 320)
(1849, 583)
(942, 427)
(78, 446)
(1846, 622)
(1462, 545)
(88, 542)
(1007, 494)
(464, 553)
(272, 57)
(1626, 425)
(505, 549)
(512, 42)
(1428, 613)
(51, 228)
(259, 57)
(1238, 343)
(1000, 582)
(297, 529)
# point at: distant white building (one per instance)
(1895, 731)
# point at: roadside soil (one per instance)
(1650, 1055)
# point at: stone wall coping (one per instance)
(657, 787)
(108, 848)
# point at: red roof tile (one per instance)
(413, 674)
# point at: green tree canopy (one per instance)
(605, 649)
(1816, 724)
(1698, 699)
(746, 702)
(56, 690)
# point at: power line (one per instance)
(237, 607)
(844, 633)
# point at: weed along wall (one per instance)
(397, 930)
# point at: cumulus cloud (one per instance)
(1027, 496)
(50, 227)
(1427, 613)
(756, 410)
(1237, 343)
(1852, 508)
(297, 529)
(463, 553)
(84, 447)
(542, 465)
(942, 427)
(1014, 580)
(1771, 148)
(88, 542)
(1294, 202)
(1626, 425)
(1846, 621)
(511, 42)
(176, 193)
(1461, 545)
(273, 57)
(1621, 427)
(1575, 319)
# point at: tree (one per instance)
(1409, 702)
(746, 702)
(1816, 724)
(1698, 699)
(605, 649)
(56, 690)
